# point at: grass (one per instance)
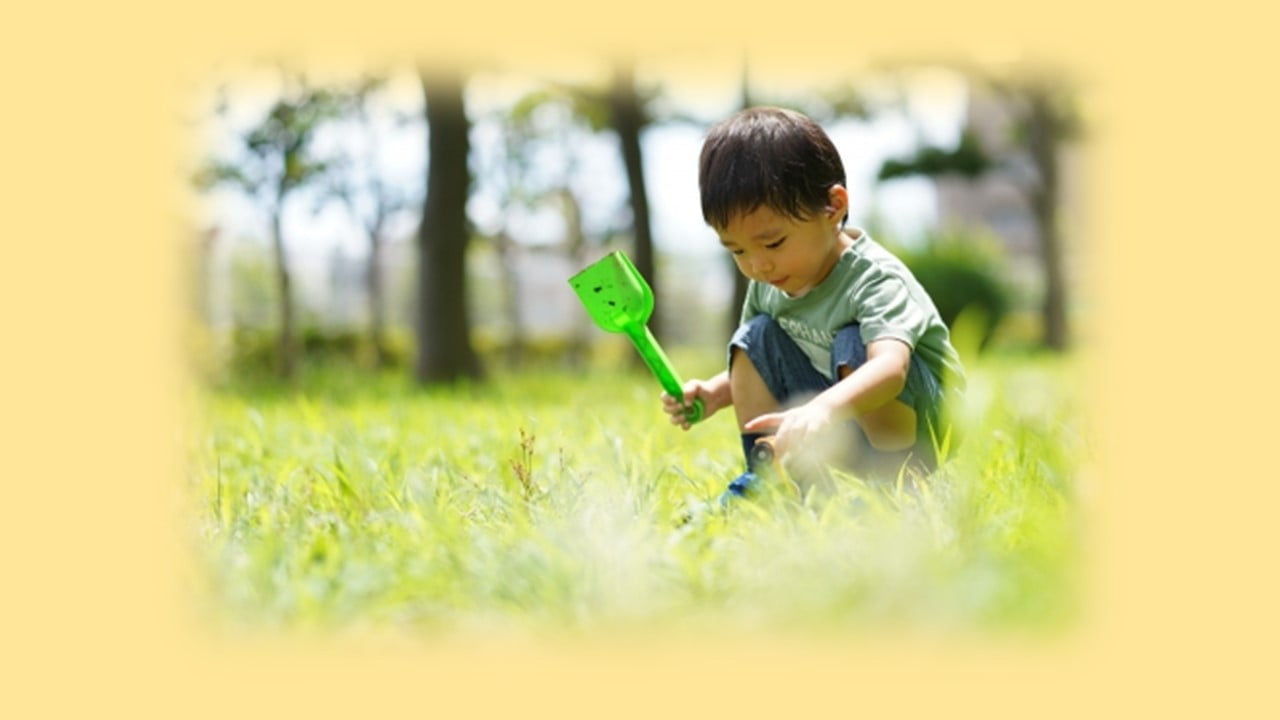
(550, 501)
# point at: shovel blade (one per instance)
(614, 293)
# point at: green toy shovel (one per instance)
(619, 300)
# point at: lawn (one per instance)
(553, 501)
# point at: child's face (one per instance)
(792, 255)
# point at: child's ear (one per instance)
(837, 202)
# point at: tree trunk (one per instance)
(740, 282)
(1042, 134)
(203, 272)
(287, 346)
(505, 245)
(628, 121)
(445, 352)
(373, 288)
(579, 339)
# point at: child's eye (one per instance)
(737, 252)
(777, 242)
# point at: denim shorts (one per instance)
(791, 377)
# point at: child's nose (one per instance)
(761, 265)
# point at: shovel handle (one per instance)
(661, 367)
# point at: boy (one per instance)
(834, 328)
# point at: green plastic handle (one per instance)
(657, 361)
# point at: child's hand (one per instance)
(801, 427)
(692, 389)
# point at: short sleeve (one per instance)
(887, 309)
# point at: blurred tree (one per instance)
(545, 118)
(967, 160)
(250, 276)
(278, 162)
(199, 268)
(371, 201)
(443, 323)
(740, 282)
(505, 244)
(514, 173)
(628, 116)
(626, 109)
(571, 207)
(1045, 118)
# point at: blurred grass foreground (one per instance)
(548, 500)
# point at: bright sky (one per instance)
(935, 105)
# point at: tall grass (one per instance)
(554, 501)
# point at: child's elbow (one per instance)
(894, 360)
(896, 383)
(897, 377)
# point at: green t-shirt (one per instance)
(871, 287)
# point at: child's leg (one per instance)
(751, 396)
(902, 424)
(766, 370)
(890, 427)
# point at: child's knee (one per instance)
(748, 339)
(891, 427)
(743, 373)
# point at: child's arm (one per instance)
(714, 392)
(866, 395)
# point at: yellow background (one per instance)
(1180, 597)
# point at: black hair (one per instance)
(767, 156)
